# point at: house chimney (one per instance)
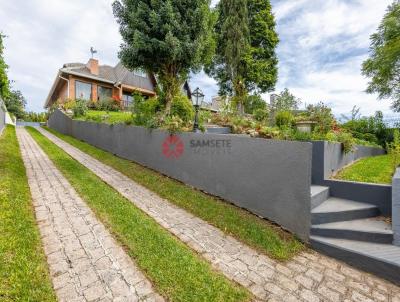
(93, 66)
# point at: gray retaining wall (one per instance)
(329, 157)
(267, 177)
(396, 207)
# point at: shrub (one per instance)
(69, 104)
(146, 112)
(322, 115)
(284, 119)
(93, 105)
(253, 103)
(260, 114)
(80, 108)
(173, 124)
(300, 136)
(347, 140)
(182, 107)
(394, 148)
(269, 132)
(110, 104)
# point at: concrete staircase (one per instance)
(353, 232)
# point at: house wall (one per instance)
(71, 87)
(269, 178)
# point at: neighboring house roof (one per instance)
(116, 76)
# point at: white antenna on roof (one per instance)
(92, 51)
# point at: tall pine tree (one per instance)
(245, 59)
(169, 38)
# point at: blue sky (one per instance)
(323, 43)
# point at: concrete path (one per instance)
(85, 263)
(308, 277)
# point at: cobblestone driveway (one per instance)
(308, 277)
(85, 263)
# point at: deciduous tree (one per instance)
(4, 82)
(286, 101)
(15, 103)
(383, 64)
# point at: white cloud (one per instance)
(323, 44)
(45, 34)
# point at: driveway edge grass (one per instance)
(176, 271)
(256, 232)
(24, 274)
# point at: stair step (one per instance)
(338, 209)
(318, 195)
(377, 258)
(369, 230)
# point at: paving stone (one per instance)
(309, 276)
(339, 287)
(73, 238)
(305, 281)
(314, 275)
(357, 297)
(329, 294)
(378, 296)
(309, 296)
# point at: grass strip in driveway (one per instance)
(24, 274)
(176, 271)
(376, 169)
(244, 226)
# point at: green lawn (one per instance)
(175, 270)
(250, 229)
(23, 269)
(110, 117)
(376, 169)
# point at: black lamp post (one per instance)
(197, 99)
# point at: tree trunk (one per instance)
(171, 85)
(241, 94)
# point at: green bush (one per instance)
(260, 114)
(284, 119)
(254, 102)
(371, 129)
(322, 115)
(109, 104)
(146, 112)
(80, 108)
(393, 148)
(300, 136)
(182, 107)
(347, 140)
(173, 124)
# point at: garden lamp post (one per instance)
(197, 99)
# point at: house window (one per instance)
(140, 73)
(83, 90)
(127, 99)
(103, 93)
